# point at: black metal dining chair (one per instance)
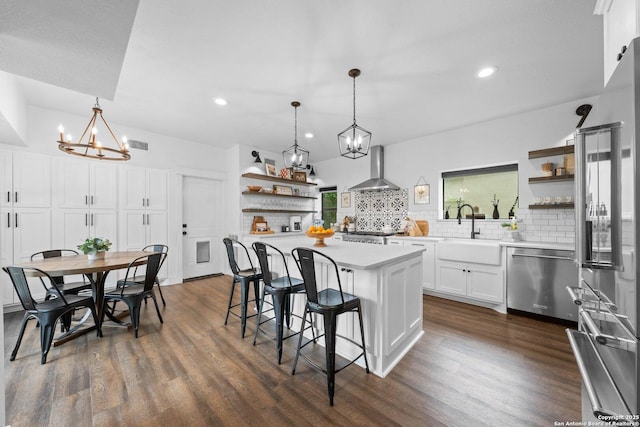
(133, 293)
(245, 277)
(47, 312)
(330, 303)
(63, 286)
(280, 289)
(139, 278)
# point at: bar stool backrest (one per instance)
(304, 258)
(262, 251)
(233, 264)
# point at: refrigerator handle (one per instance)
(616, 202)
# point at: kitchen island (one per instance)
(387, 279)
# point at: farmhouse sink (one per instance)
(471, 250)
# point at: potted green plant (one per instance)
(95, 247)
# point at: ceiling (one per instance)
(158, 64)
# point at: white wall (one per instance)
(499, 141)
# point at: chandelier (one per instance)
(294, 156)
(93, 148)
(354, 141)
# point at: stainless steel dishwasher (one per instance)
(537, 280)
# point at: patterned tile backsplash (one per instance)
(374, 209)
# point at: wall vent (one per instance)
(138, 145)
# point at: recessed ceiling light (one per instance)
(308, 135)
(486, 72)
(220, 101)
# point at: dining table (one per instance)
(95, 270)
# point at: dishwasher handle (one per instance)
(563, 258)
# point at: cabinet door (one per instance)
(104, 189)
(428, 263)
(71, 228)
(72, 187)
(31, 180)
(104, 223)
(133, 188)
(485, 284)
(156, 222)
(6, 179)
(133, 230)
(6, 254)
(453, 279)
(32, 233)
(156, 189)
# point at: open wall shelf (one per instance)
(548, 152)
(275, 179)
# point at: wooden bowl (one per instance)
(320, 237)
(254, 188)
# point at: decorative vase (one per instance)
(96, 255)
(446, 214)
(496, 214)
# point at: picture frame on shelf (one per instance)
(270, 167)
(284, 190)
(299, 176)
(262, 226)
(421, 194)
(286, 173)
(345, 199)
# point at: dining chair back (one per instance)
(133, 293)
(47, 312)
(139, 278)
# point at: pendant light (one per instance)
(93, 148)
(354, 141)
(295, 157)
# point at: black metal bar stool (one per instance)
(245, 278)
(329, 303)
(281, 289)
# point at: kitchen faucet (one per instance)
(474, 233)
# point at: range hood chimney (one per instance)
(377, 181)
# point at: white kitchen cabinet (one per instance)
(25, 180)
(25, 231)
(86, 185)
(141, 228)
(621, 24)
(428, 257)
(476, 281)
(25, 211)
(73, 226)
(144, 188)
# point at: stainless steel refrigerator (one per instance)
(607, 204)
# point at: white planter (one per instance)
(96, 255)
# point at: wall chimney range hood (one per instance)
(377, 181)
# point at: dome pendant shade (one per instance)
(354, 141)
(295, 156)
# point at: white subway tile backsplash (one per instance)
(551, 226)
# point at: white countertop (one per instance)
(359, 256)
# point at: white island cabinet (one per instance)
(388, 281)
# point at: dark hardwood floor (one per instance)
(472, 367)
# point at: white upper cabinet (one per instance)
(83, 184)
(621, 24)
(25, 180)
(144, 188)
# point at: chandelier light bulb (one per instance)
(61, 130)
(69, 137)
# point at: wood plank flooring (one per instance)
(472, 367)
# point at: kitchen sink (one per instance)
(471, 250)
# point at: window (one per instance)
(329, 197)
(487, 190)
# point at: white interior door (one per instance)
(202, 226)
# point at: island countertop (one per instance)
(359, 256)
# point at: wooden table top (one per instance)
(80, 264)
